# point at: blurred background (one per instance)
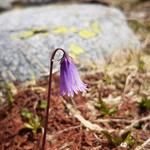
(139, 8)
(91, 28)
(123, 4)
(109, 41)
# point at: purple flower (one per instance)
(70, 81)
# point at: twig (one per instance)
(97, 148)
(113, 120)
(128, 128)
(66, 146)
(116, 100)
(51, 137)
(144, 146)
(84, 122)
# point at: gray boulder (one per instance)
(90, 33)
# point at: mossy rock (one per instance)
(90, 33)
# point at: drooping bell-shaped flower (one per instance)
(70, 81)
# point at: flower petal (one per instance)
(70, 81)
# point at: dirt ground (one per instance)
(113, 114)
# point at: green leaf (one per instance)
(112, 139)
(9, 97)
(141, 65)
(35, 123)
(145, 103)
(129, 140)
(26, 113)
(116, 140)
(107, 79)
(29, 126)
(112, 111)
(43, 104)
(104, 109)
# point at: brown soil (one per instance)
(65, 132)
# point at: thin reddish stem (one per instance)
(49, 96)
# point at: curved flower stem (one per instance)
(49, 95)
